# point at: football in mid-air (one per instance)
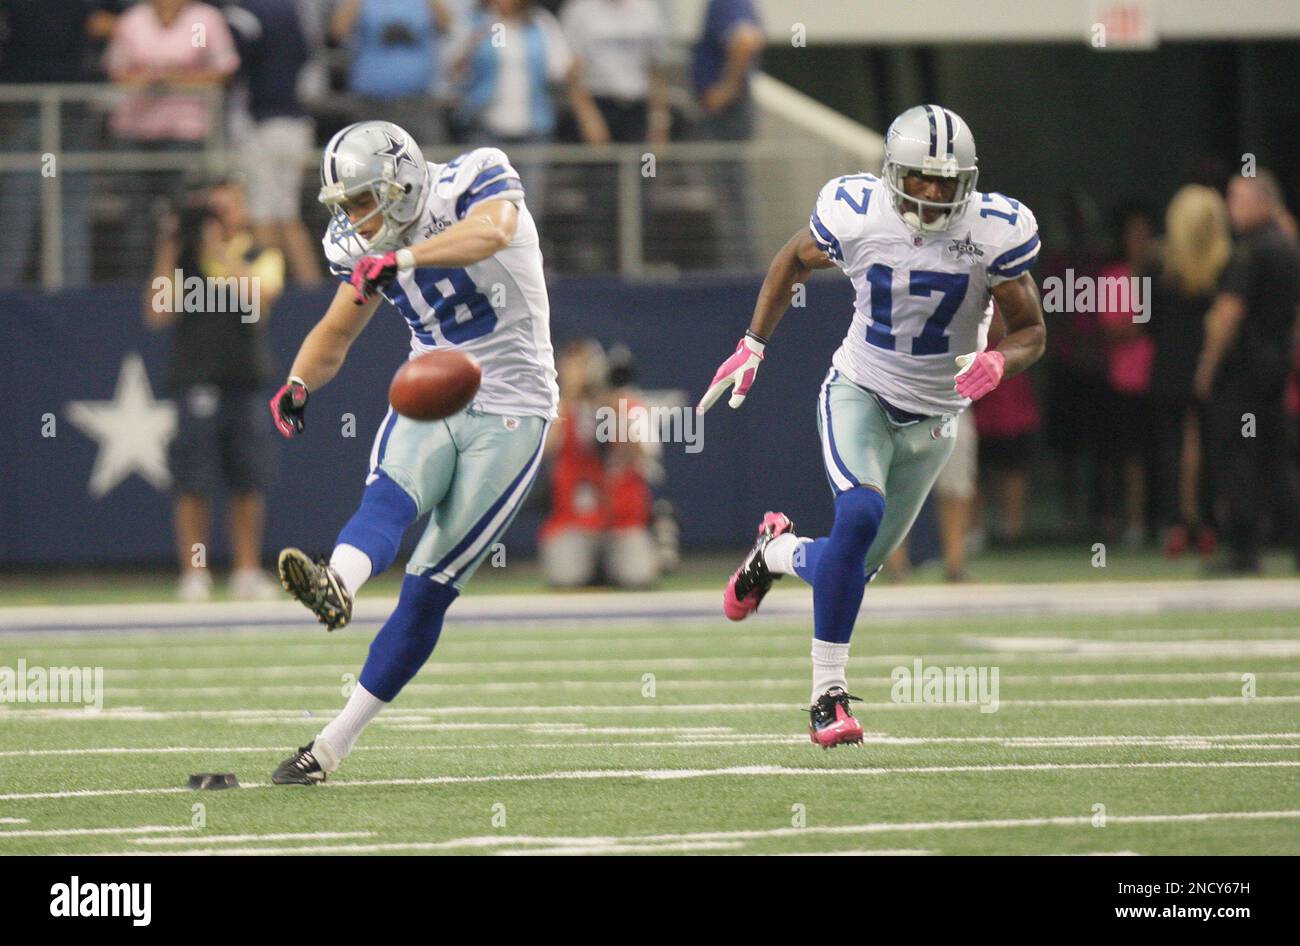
(435, 385)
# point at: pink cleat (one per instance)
(832, 723)
(752, 580)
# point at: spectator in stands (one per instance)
(1007, 419)
(155, 55)
(598, 529)
(394, 69)
(1241, 373)
(221, 361)
(273, 52)
(513, 54)
(1123, 308)
(724, 57)
(1076, 370)
(42, 42)
(622, 48)
(1197, 246)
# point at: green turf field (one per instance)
(673, 735)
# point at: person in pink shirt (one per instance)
(165, 54)
(1124, 306)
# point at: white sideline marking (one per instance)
(75, 832)
(856, 852)
(1093, 854)
(579, 842)
(240, 838)
(689, 737)
(631, 685)
(139, 714)
(1103, 648)
(14, 821)
(621, 848)
(1145, 597)
(674, 774)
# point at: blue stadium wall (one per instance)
(71, 347)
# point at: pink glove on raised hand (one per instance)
(371, 274)
(738, 370)
(979, 374)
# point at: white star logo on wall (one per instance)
(133, 431)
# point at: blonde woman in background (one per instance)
(1197, 247)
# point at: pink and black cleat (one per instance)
(832, 723)
(752, 580)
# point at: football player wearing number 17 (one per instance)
(455, 250)
(927, 253)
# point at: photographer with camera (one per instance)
(215, 285)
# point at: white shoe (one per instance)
(252, 584)
(195, 585)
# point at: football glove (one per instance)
(371, 274)
(980, 373)
(737, 372)
(288, 406)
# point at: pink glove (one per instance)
(371, 274)
(287, 407)
(738, 370)
(979, 374)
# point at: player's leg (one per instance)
(496, 461)
(411, 465)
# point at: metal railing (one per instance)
(631, 208)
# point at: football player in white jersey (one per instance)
(927, 254)
(455, 250)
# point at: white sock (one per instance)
(780, 552)
(830, 663)
(352, 565)
(336, 740)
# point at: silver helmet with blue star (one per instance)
(933, 141)
(380, 159)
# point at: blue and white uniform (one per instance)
(887, 411)
(474, 469)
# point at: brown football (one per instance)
(435, 385)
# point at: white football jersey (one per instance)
(922, 298)
(496, 309)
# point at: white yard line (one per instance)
(674, 774)
(1144, 597)
(579, 843)
(78, 832)
(689, 737)
(241, 838)
(14, 715)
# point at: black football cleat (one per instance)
(752, 580)
(316, 585)
(301, 768)
(832, 722)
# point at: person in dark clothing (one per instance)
(1198, 243)
(273, 52)
(1243, 367)
(44, 42)
(226, 283)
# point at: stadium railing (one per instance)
(643, 212)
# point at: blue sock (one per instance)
(407, 638)
(376, 528)
(834, 565)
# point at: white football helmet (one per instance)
(382, 159)
(929, 139)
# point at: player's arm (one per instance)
(320, 357)
(1026, 333)
(791, 266)
(486, 229)
(1023, 344)
(1222, 324)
